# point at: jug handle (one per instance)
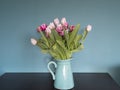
(52, 62)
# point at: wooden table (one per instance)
(43, 81)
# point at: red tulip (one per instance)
(71, 28)
(43, 27)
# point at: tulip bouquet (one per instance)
(60, 39)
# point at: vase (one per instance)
(63, 76)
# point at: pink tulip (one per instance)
(33, 41)
(48, 31)
(38, 29)
(56, 21)
(43, 27)
(61, 33)
(88, 28)
(65, 26)
(64, 23)
(59, 28)
(71, 28)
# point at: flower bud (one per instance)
(88, 28)
(33, 41)
(51, 26)
(48, 30)
(59, 28)
(38, 29)
(61, 33)
(43, 27)
(71, 28)
(56, 21)
(63, 21)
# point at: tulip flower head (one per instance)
(71, 28)
(43, 27)
(38, 29)
(51, 26)
(48, 31)
(56, 21)
(88, 28)
(63, 21)
(33, 41)
(59, 28)
(61, 33)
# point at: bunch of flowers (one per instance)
(60, 39)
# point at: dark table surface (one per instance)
(43, 81)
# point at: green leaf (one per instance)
(52, 35)
(79, 48)
(54, 54)
(50, 41)
(66, 54)
(44, 51)
(61, 44)
(77, 40)
(44, 38)
(66, 36)
(56, 49)
(42, 45)
(73, 34)
(56, 35)
(84, 35)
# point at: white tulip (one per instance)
(63, 21)
(33, 41)
(56, 21)
(48, 30)
(88, 28)
(51, 26)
